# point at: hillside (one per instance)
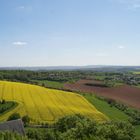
(45, 105)
(126, 94)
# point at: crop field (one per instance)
(45, 105)
(126, 94)
(50, 84)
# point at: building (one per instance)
(13, 126)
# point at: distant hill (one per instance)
(66, 68)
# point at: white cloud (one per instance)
(21, 7)
(19, 43)
(136, 6)
(130, 4)
(24, 8)
(121, 47)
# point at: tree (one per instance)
(77, 127)
(34, 134)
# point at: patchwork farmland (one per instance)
(126, 94)
(45, 105)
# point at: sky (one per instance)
(69, 32)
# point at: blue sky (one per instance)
(69, 32)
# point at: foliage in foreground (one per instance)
(11, 136)
(78, 127)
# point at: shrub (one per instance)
(3, 101)
(26, 120)
(34, 134)
(14, 116)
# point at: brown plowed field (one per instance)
(126, 94)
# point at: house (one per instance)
(13, 126)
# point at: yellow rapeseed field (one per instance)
(45, 105)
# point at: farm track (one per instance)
(45, 105)
(126, 94)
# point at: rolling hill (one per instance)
(45, 105)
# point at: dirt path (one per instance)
(126, 94)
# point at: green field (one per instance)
(136, 72)
(45, 105)
(138, 86)
(50, 84)
(112, 112)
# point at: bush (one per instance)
(34, 134)
(116, 131)
(3, 101)
(14, 116)
(26, 120)
(4, 106)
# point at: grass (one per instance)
(45, 105)
(50, 84)
(112, 112)
(137, 129)
(138, 86)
